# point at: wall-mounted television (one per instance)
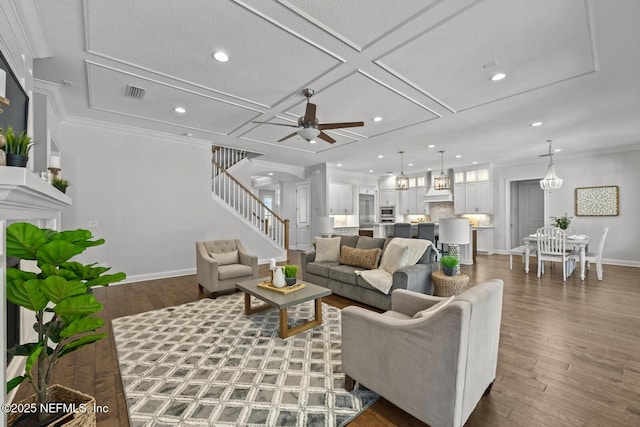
(16, 114)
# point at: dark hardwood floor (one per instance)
(569, 353)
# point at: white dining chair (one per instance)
(593, 257)
(552, 247)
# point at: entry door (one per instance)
(303, 216)
(530, 209)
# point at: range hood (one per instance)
(434, 195)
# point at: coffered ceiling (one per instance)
(424, 67)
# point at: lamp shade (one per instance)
(325, 225)
(454, 231)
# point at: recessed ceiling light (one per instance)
(339, 165)
(429, 169)
(270, 174)
(474, 163)
(498, 76)
(410, 164)
(557, 149)
(221, 56)
(370, 170)
(377, 119)
(380, 156)
(458, 156)
(536, 124)
(430, 146)
(180, 110)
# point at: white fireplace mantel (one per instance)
(24, 196)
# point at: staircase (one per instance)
(242, 200)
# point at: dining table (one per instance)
(580, 240)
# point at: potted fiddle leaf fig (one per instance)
(61, 297)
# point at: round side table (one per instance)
(446, 286)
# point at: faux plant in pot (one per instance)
(449, 264)
(17, 147)
(562, 222)
(60, 184)
(60, 296)
(290, 273)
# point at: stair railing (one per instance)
(250, 207)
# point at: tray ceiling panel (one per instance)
(168, 38)
(107, 88)
(355, 22)
(369, 98)
(454, 62)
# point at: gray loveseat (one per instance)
(343, 281)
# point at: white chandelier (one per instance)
(551, 180)
(402, 180)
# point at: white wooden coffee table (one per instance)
(274, 299)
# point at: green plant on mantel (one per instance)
(17, 144)
(60, 295)
(562, 222)
(61, 184)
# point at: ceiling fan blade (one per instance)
(288, 136)
(323, 126)
(326, 137)
(277, 124)
(310, 114)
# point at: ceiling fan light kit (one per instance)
(442, 182)
(308, 127)
(551, 180)
(402, 181)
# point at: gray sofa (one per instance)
(343, 281)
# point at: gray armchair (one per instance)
(435, 366)
(220, 264)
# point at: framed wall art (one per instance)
(598, 201)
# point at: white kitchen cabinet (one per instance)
(460, 198)
(368, 189)
(484, 238)
(340, 199)
(412, 201)
(388, 183)
(473, 196)
(387, 197)
(478, 198)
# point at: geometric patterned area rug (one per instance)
(206, 363)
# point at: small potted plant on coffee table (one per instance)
(290, 272)
(449, 264)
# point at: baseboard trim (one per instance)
(158, 275)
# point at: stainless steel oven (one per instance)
(387, 214)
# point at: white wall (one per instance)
(151, 197)
(621, 169)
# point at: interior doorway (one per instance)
(526, 210)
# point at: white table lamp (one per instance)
(454, 232)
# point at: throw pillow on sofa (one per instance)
(364, 258)
(327, 249)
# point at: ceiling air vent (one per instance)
(135, 92)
